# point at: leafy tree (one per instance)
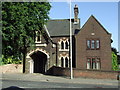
(114, 61)
(114, 50)
(20, 20)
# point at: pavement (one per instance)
(59, 79)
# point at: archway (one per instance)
(40, 61)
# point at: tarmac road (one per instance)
(45, 81)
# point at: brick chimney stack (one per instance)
(76, 11)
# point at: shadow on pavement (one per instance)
(13, 88)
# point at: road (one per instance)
(43, 81)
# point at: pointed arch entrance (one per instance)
(39, 61)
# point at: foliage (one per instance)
(114, 50)
(114, 62)
(19, 22)
(9, 60)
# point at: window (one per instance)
(66, 45)
(88, 43)
(62, 45)
(64, 62)
(97, 44)
(98, 63)
(88, 63)
(93, 44)
(93, 63)
(38, 37)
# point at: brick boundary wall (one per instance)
(86, 73)
(11, 68)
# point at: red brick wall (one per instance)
(104, 53)
(85, 73)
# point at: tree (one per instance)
(114, 61)
(114, 50)
(20, 20)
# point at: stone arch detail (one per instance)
(37, 49)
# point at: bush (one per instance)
(9, 60)
(114, 62)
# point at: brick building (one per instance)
(91, 46)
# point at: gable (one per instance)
(93, 24)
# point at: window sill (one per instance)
(37, 41)
(63, 49)
(93, 69)
(93, 49)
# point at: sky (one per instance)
(105, 12)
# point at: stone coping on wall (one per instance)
(100, 74)
(88, 69)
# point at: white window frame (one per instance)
(64, 63)
(36, 37)
(93, 64)
(64, 47)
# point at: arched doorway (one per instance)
(40, 61)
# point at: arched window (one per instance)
(62, 62)
(66, 62)
(66, 45)
(62, 45)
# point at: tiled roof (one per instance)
(60, 27)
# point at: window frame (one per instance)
(64, 45)
(66, 60)
(89, 43)
(91, 63)
(99, 63)
(98, 44)
(63, 60)
(95, 44)
(38, 37)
